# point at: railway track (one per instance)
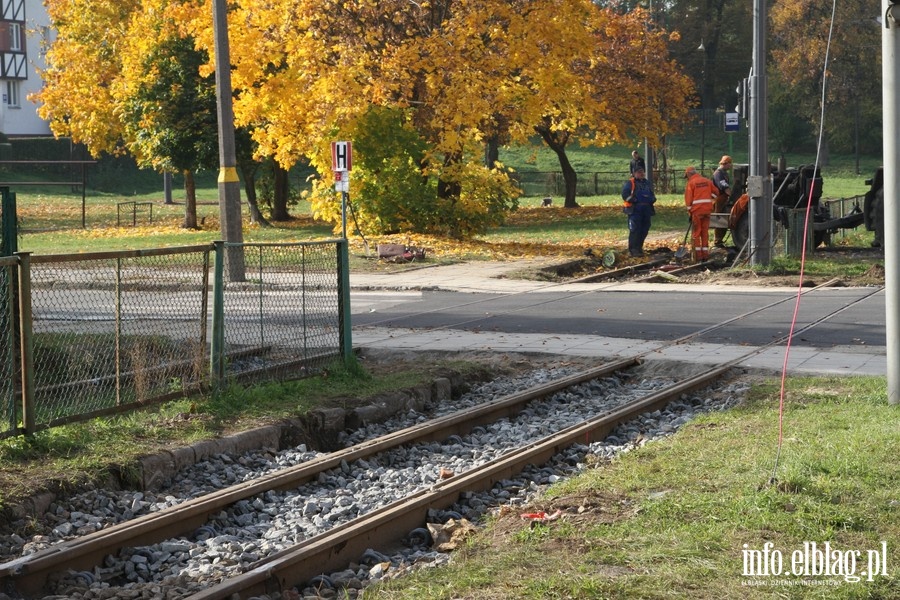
(651, 270)
(648, 271)
(381, 527)
(387, 526)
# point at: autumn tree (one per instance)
(167, 107)
(103, 90)
(463, 74)
(597, 83)
(83, 66)
(557, 67)
(801, 32)
(307, 72)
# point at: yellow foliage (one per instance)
(305, 71)
(83, 68)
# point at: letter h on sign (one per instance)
(341, 156)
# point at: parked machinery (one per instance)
(873, 207)
(791, 188)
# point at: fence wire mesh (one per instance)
(594, 183)
(8, 346)
(113, 331)
(117, 330)
(286, 316)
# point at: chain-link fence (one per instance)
(550, 183)
(594, 183)
(284, 316)
(106, 332)
(8, 345)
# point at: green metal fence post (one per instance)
(261, 296)
(118, 331)
(217, 351)
(343, 247)
(27, 342)
(8, 236)
(7, 315)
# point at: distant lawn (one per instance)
(51, 217)
(52, 225)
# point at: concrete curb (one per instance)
(319, 429)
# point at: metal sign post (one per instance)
(342, 185)
(732, 124)
(342, 162)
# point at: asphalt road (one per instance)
(654, 313)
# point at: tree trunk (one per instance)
(249, 177)
(659, 178)
(557, 141)
(491, 152)
(281, 193)
(190, 201)
(450, 190)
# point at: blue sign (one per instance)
(732, 121)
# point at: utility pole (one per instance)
(759, 183)
(702, 48)
(229, 184)
(890, 79)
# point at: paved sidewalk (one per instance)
(489, 277)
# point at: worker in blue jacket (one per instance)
(639, 198)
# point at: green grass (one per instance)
(684, 150)
(51, 217)
(670, 520)
(82, 451)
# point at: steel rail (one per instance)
(344, 544)
(620, 272)
(28, 573)
(338, 547)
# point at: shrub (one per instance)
(394, 190)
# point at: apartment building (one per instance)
(24, 35)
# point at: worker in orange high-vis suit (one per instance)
(698, 197)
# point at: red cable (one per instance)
(787, 350)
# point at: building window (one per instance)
(12, 93)
(45, 40)
(15, 37)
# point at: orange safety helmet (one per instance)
(725, 160)
(689, 171)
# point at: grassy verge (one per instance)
(672, 519)
(73, 454)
